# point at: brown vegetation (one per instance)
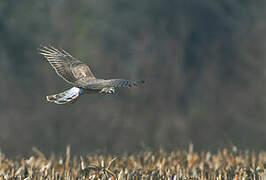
(223, 165)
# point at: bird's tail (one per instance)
(69, 95)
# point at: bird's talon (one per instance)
(108, 90)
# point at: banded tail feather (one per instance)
(64, 97)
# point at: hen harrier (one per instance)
(80, 76)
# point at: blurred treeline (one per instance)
(204, 62)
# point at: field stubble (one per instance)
(223, 165)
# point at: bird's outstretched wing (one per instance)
(65, 65)
(117, 83)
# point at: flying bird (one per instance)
(79, 75)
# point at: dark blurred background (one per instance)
(204, 62)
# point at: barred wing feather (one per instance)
(65, 65)
(117, 83)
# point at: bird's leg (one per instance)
(108, 90)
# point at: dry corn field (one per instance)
(224, 164)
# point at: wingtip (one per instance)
(45, 48)
(141, 82)
(42, 49)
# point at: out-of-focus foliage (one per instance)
(203, 60)
(225, 164)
